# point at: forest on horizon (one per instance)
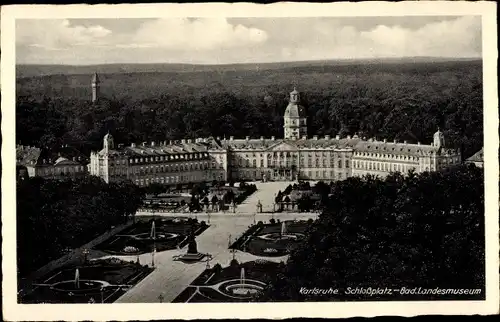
(405, 101)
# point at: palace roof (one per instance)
(282, 144)
(153, 149)
(399, 148)
(65, 155)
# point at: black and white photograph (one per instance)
(238, 157)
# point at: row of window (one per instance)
(190, 156)
(168, 168)
(249, 174)
(384, 166)
(388, 156)
(177, 179)
(60, 170)
(289, 121)
(288, 163)
(287, 154)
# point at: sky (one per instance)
(243, 40)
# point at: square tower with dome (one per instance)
(295, 120)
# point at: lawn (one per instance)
(214, 284)
(169, 234)
(267, 240)
(120, 275)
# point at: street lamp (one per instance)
(208, 262)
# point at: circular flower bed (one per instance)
(130, 249)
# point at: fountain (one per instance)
(77, 279)
(152, 235)
(153, 231)
(76, 285)
(283, 230)
(242, 288)
(283, 234)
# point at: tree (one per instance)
(56, 215)
(424, 230)
(390, 101)
(205, 201)
(229, 196)
(156, 188)
(194, 205)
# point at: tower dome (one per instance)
(109, 142)
(295, 124)
(439, 138)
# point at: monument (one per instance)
(192, 254)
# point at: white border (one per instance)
(18, 312)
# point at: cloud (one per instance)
(461, 36)
(244, 40)
(58, 34)
(197, 34)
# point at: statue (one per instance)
(192, 254)
(192, 247)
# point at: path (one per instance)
(171, 277)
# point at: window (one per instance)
(347, 163)
(254, 163)
(261, 163)
(340, 163)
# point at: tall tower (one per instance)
(295, 120)
(439, 139)
(95, 88)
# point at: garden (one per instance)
(96, 281)
(239, 282)
(274, 239)
(196, 197)
(161, 234)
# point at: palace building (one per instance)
(295, 157)
(59, 163)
